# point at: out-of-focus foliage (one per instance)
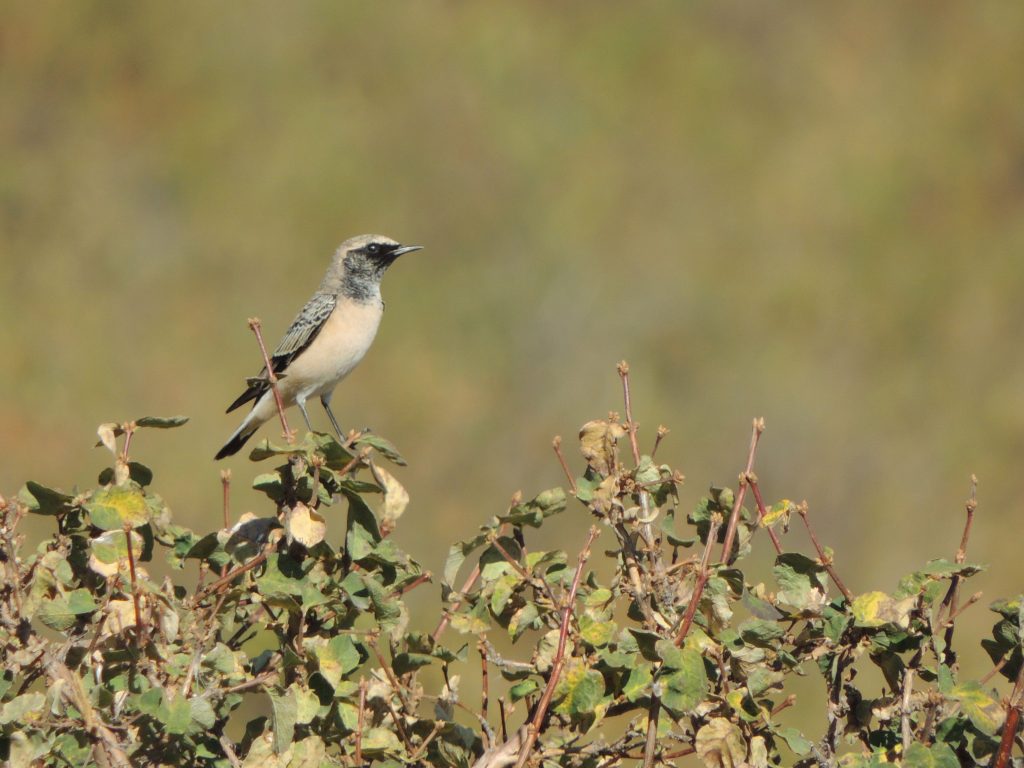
(661, 639)
(814, 212)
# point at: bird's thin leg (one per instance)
(325, 400)
(301, 402)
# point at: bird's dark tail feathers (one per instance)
(237, 440)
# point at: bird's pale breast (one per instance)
(337, 349)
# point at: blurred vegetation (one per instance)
(810, 213)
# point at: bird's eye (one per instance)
(373, 249)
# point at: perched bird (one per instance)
(327, 339)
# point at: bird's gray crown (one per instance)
(359, 264)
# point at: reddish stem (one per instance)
(762, 512)
(734, 516)
(254, 324)
(702, 579)
(556, 669)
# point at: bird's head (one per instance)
(362, 261)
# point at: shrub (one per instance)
(656, 641)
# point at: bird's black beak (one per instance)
(405, 249)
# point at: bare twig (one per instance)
(229, 751)
(254, 324)
(658, 437)
(651, 743)
(533, 729)
(447, 615)
(702, 579)
(963, 607)
(908, 688)
(232, 575)
(762, 512)
(360, 457)
(501, 716)
(631, 425)
(949, 602)
(139, 626)
(734, 516)
(414, 756)
(556, 443)
(225, 482)
(391, 678)
(422, 579)
(826, 561)
(129, 431)
(361, 721)
(1013, 707)
(317, 461)
(466, 586)
(482, 649)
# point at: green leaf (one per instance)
(801, 582)
(284, 714)
(409, 662)
(281, 581)
(761, 633)
(762, 679)
(386, 607)
(380, 741)
(523, 688)
(457, 553)
(61, 612)
(596, 633)
(935, 570)
(938, 755)
(42, 500)
(161, 422)
(579, 691)
(533, 512)
(493, 563)
(382, 446)
(647, 643)
(983, 710)
(175, 714)
(502, 591)
(23, 710)
(202, 712)
(683, 679)
(638, 684)
(527, 617)
(337, 658)
(795, 740)
(117, 506)
(362, 533)
(140, 473)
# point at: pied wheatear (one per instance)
(327, 339)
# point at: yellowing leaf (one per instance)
(396, 498)
(305, 526)
(597, 443)
(983, 710)
(107, 433)
(779, 511)
(115, 507)
(580, 690)
(720, 744)
(108, 552)
(876, 609)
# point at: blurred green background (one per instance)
(812, 213)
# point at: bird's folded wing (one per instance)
(304, 329)
(300, 334)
